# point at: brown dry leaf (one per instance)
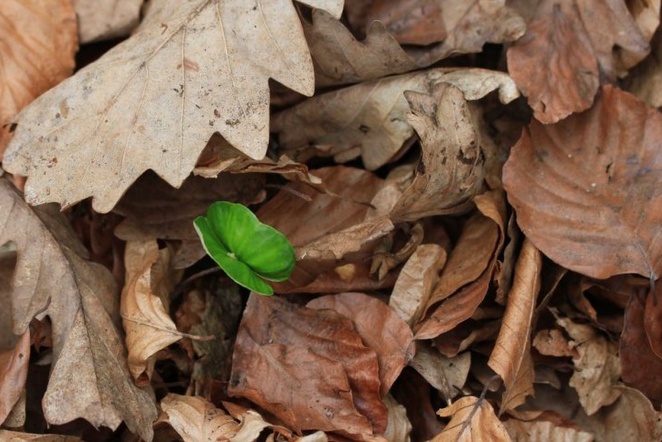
(553, 343)
(380, 328)
(153, 101)
(447, 375)
(154, 209)
(340, 59)
(145, 304)
(285, 355)
(653, 319)
(13, 373)
(416, 280)
(645, 79)
(597, 369)
(196, 419)
(416, 22)
(541, 430)
(641, 368)
(586, 189)
(369, 119)
(511, 357)
(15, 436)
(89, 371)
(553, 63)
(399, 427)
(103, 20)
(36, 52)
(472, 420)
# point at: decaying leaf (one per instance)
(399, 427)
(285, 355)
(472, 420)
(369, 119)
(586, 188)
(153, 101)
(89, 371)
(523, 431)
(36, 52)
(511, 357)
(448, 375)
(144, 306)
(645, 79)
(16, 436)
(13, 374)
(102, 20)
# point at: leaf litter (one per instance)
(470, 265)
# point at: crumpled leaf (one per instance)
(447, 375)
(89, 371)
(36, 52)
(103, 20)
(472, 420)
(511, 357)
(399, 427)
(553, 63)
(645, 79)
(153, 101)
(380, 328)
(522, 431)
(285, 355)
(597, 368)
(369, 119)
(144, 306)
(586, 188)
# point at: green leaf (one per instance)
(246, 249)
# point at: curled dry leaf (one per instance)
(196, 419)
(399, 427)
(645, 79)
(144, 306)
(36, 52)
(154, 100)
(553, 64)
(447, 375)
(511, 357)
(472, 420)
(106, 19)
(369, 119)
(417, 22)
(285, 355)
(89, 371)
(586, 189)
(380, 328)
(523, 431)
(597, 369)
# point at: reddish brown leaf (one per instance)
(286, 355)
(553, 64)
(380, 328)
(418, 22)
(586, 189)
(13, 374)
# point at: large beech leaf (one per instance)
(586, 189)
(192, 68)
(52, 278)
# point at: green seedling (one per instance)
(247, 250)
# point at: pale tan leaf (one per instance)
(448, 375)
(597, 367)
(36, 52)
(645, 79)
(416, 280)
(196, 419)
(369, 119)
(553, 343)
(89, 371)
(148, 327)
(153, 101)
(540, 430)
(16, 436)
(399, 427)
(103, 20)
(511, 357)
(472, 420)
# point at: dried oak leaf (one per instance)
(370, 119)
(511, 357)
(309, 368)
(553, 64)
(153, 101)
(37, 50)
(380, 328)
(586, 189)
(472, 420)
(103, 20)
(144, 306)
(89, 371)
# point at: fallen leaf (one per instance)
(13, 374)
(414, 393)
(447, 375)
(416, 22)
(369, 119)
(416, 280)
(596, 366)
(285, 355)
(154, 100)
(645, 79)
(472, 419)
(511, 357)
(587, 196)
(144, 306)
(36, 52)
(399, 427)
(380, 328)
(466, 334)
(552, 342)
(553, 63)
(544, 430)
(16, 436)
(196, 419)
(89, 371)
(106, 19)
